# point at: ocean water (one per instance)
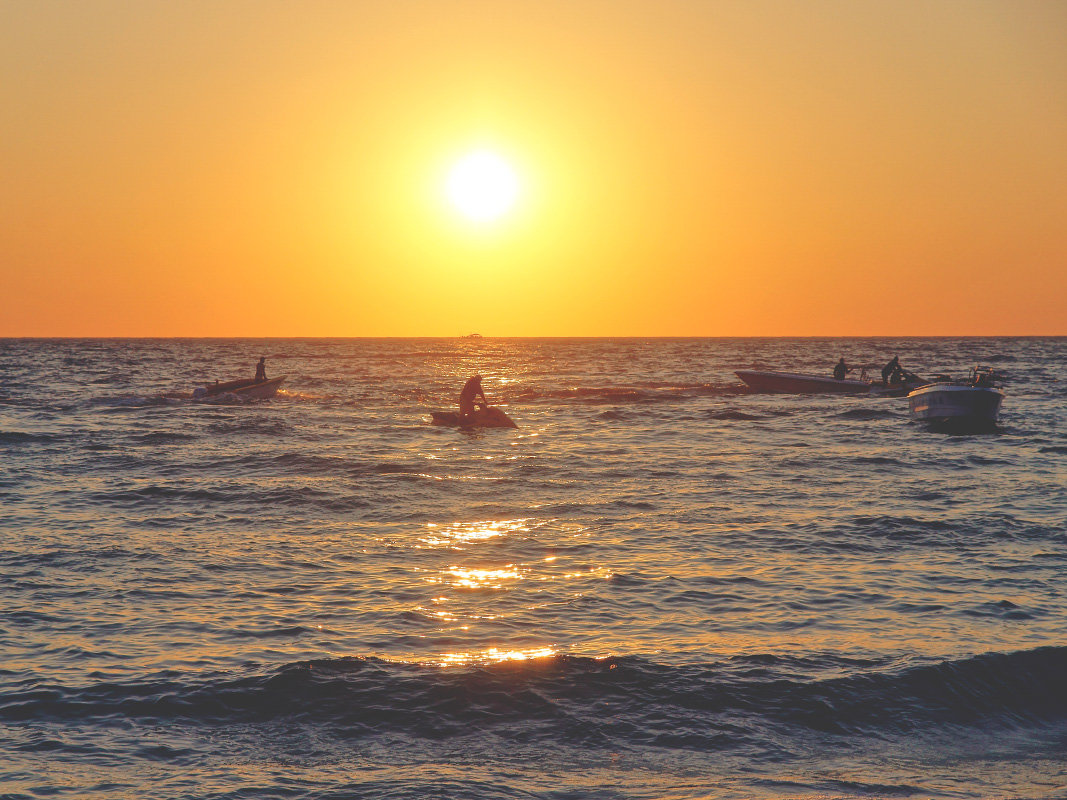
(658, 586)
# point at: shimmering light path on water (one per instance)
(657, 586)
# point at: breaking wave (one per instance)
(616, 700)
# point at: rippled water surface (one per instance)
(658, 586)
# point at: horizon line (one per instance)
(604, 337)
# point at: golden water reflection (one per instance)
(463, 578)
(493, 655)
(474, 578)
(460, 577)
(458, 534)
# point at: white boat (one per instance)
(972, 402)
(798, 383)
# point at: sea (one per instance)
(658, 585)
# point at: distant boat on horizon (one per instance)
(473, 336)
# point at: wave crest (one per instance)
(619, 699)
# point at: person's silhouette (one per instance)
(471, 389)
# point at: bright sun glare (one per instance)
(482, 186)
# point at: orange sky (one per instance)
(261, 168)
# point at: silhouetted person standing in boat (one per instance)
(841, 369)
(261, 370)
(471, 389)
(891, 370)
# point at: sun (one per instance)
(482, 186)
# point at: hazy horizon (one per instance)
(493, 336)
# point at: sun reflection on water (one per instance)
(465, 578)
(459, 577)
(457, 534)
(493, 655)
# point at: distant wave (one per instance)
(868, 414)
(132, 401)
(876, 532)
(627, 699)
(305, 464)
(257, 498)
(732, 415)
(164, 437)
(21, 437)
(883, 461)
(625, 394)
(263, 427)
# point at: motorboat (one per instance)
(245, 388)
(798, 383)
(974, 401)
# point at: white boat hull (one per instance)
(945, 402)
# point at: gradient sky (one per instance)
(264, 168)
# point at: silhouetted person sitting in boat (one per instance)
(891, 371)
(261, 370)
(471, 389)
(841, 369)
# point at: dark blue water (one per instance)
(658, 586)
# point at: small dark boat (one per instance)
(247, 388)
(491, 417)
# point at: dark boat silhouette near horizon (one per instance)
(767, 381)
(245, 388)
